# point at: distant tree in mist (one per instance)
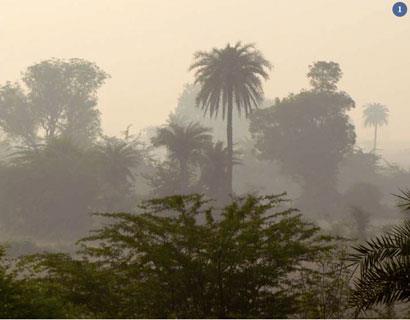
(185, 145)
(308, 134)
(49, 192)
(365, 197)
(260, 176)
(229, 77)
(375, 115)
(324, 76)
(58, 98)
(17, 117)
(117, 160)
(359, 166)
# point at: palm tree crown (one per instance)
(233, 72)
(185, 144)
(118, 158)
(227, 77)
(375, 115)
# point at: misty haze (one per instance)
(204, 159)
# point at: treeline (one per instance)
(182, 255)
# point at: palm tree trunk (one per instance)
(184, 177)
(229, 136)
(375, 138)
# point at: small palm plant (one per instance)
(375, 115)
(384, 265)
(185, 144)
(118, 158)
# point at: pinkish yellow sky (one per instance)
(147, 46)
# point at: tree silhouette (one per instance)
(59, 98)
(166, 263)
(375, 115)
(185, 144)
(308, 134)
(227, 77)
(324, 76)
(51, 188)
(17, 118)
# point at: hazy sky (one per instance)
(147, 47)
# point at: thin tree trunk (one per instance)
(229, 136)
(184, 177)
(375, 138)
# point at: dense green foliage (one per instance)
(22, 298)
(180, 257)
(310, 126)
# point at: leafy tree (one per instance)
(164, 262)
(79, 283)
(17, 117)
(358, 165)
(384, 267)
(47, 192)
(185, 144)
(21, 298)
(227, 77)
(59, 98)
(308, 134)
(375, 115)
(324, 76)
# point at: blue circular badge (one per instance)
(399, 9)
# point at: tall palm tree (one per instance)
(185, 144)
(375, 115)
(227, 77)
(384, 266)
